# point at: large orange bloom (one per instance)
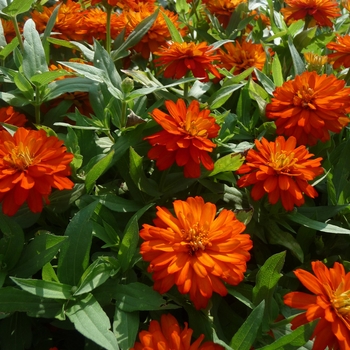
(179, 58)
(330, 303)
(195, 250)
(281, 170)
(310, 106)
(242, 56)
(185, 138)
(10, 116)
(340, 58)
(31, 164)
(167, 335)
(320, 11)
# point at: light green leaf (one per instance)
(218, 98)
(277, 74)
(17, 7)
(175, 35)
(125, 328)
(265, 81)
(47, 77)
(230, 162)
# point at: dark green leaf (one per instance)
(118, 204)
(125, 328)
(218, 98)
(47, 77)
(299, 66)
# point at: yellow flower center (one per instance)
(193, 128)
(19, 157)
(341, 304)
(304, 98)
(197, 237)
(282, 161)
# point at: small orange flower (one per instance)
(242, 56)
(195, 250)
(222, 9)
(315, 62)
(179, 58)
(31, 164)
(340, 58)
(330, 303)
(185, 138)
(10, 116)
(320, 11)
(310, 106)
(167, 335)
(280, 170)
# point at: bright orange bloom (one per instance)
(242, 56)
(167, 335)
(330, 303)
(157, 35)
(280, 170)
(31, 164)
(320, 11)
(10, 116)
(340, 58)
(222, 9)
(195, 250)
(179, 58)
(185, 138)
(310, 106)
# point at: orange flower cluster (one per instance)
(185, 138)
(195, 250)
(222, 9)
(321, 12)
(242, 56)
(31, 164)
(280, 170)
(341, 56)
(330, 303)
(310, 106)
(167, 335)
(179, 58)
(10, 116)
(75, 23)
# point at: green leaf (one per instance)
(128, 244)
(8, 49)
(17, 7)
(268, 85)
(277, 74)
(50, 24)
(11, 243)
(39, 252)
(47, 77)
(118, 204)
(74, 257)
(138, 297)
(298, 63)
(245, 336)
(24, 85)
(92, 322)
(44, 289)
(125, 328)
(59, 87)
(34, 59)
(230, 162)
(218, 98)
(175, 35)
(316, 225)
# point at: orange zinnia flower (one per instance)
(330, 304)
(179, 58)
(31, 163)
(310, 106)
(242, 56)
(320, 11)
(281, 170)
(10, 116)
(185, 138)
(340, 58)
(195, 250)
(167, 335)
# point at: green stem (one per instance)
(185, 91)
(123, 117)
(108, 28)
(18, 34)
(37, 106)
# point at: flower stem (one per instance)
(37, 107)
(108, 28)
(18, 34)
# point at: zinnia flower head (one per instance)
(194, 250)
(179, 58)
(320, 11)
(341, 56)
(185, 138)
(242, 56)
(10, 116)
(167, 335)
(315, 62)
(31, 164)
(309, 107)
(329, 302)
(281, 170)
